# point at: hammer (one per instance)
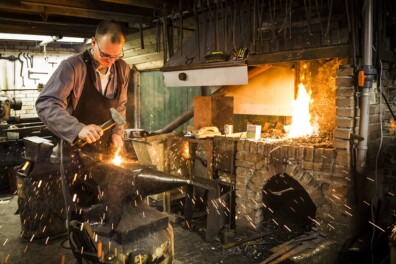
(116, 119)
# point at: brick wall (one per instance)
(326, 173)
(25, 88)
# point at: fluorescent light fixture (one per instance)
(41, 38)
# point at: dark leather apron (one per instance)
(94, 108)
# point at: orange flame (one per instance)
(301, 120)
(185, 150)
(117, 160)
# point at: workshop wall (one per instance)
(25, 68)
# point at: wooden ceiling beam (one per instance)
(49, 9)
(152, 4)
(45, 28)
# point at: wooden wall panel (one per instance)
(160, 105)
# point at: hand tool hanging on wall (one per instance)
(204, 25)
(196, 21)
(225, 26)
(308, 16)
(210, 36)
(319, 16)
(180, 27)
(217, 7)
(241, 25)
(169, 29)
(253, 26)
(52, 63)
(158, 33)
(14, 58)
(27, 59)
(35, 79)
(21, 71)
(31, 60)
(329, 17)
(233, 13)
(165, 33)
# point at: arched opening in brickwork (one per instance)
(287, 202)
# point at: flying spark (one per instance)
(377, 226)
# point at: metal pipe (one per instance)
(369, 73)
(177, 122)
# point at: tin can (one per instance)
(228, 129)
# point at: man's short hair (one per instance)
(114, 28)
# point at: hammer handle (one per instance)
(105, 126)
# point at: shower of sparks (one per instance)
(287, 228)
(329, 215)
(368, 178)
(377, 226)
(46, 241)
(5, 242)
(391, 194)
(39, 184)
(117, 160)
(6, 258)
(332, 227)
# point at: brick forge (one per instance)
(324, 171)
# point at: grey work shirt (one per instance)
(61, 94)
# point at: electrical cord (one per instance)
(66, 194)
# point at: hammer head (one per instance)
(117, 117)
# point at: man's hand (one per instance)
(90, 133)
(117, 141)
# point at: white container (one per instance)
(228, 129)
(253, 132)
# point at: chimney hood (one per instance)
(208, 74)
(207, 57)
